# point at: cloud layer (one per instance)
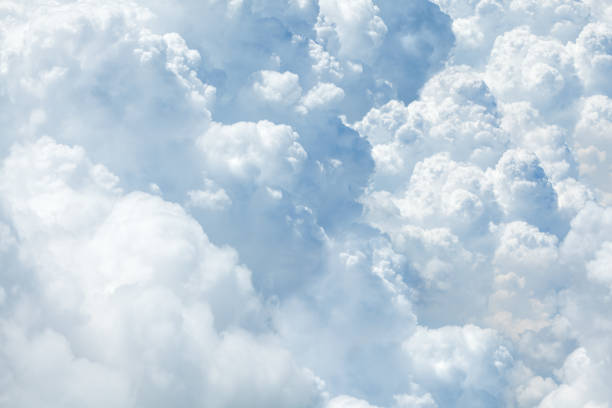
(305, 203)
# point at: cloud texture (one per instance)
(305, 203)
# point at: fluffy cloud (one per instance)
(456, 113)
(345, 401)
(583, 385)
(491, 182)
(321, 95)
(130, 295)
(262, 152)
(405, 204)
(470, 359)
(277, 87)
(594, 57)
(211, 198)
(523, 190)
(477, 23)
(592, 142)
(524, 66)
(107, 59)
(355, 26)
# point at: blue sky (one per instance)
(305, 203)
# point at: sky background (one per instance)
(306, 203)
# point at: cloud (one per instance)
(583, 387)
(598, 269)
(263, 152)
(594, 57)
(321, 95)
(351, 203)
(591, 144)
(126, 295)
(477, 24)
(212, 198)
(352, 25)
(524, 66)
(278, 87)
(456, 113)
(468, 358)
(83, 74)
(523, 190)
(345, 401)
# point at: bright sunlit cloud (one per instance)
(305, 203)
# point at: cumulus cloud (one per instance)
(130, 296)
(592, 141)
(594, 57)
(524, 66)
(468, 358)
(582, 384)
(489, 181)
(211, 198)
(278, 87)
(456, 113)
(262, 152)
(352, 204)
(345, 401)
(321, 95)
(355, 27)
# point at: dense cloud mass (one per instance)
(306, 203)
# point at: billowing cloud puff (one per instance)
(468, 358)
(345, 401)
(263, 152)
(355, 26)
(598, 268)
(278, 87)
(351, 204)
(593, 143)
(130, 295)
(107, 59)
(211, 197)
(456, 113)
(582, 386)
(524, 66)
(477, 23)
(594, 57)
(446, 193)
(523, 190)
(321, 95)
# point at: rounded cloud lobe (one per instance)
(305, 203)
(128, 298)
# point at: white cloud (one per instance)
(324, 62)
(345, 401)
(456, 113)
(468, 359)
(598, 268)
(524, 66)
(594, 57)
(323, 94)
(212, 197)
(592, 142)
(147, 297)
(523, 189)
(411, 401)
(356, 25)
(262, 152)
(583, 386)
(532, 393)
(278, 87)
(403, 208)
(477, 23)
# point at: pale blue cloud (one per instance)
(305, 203)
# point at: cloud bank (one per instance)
(305, 203)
